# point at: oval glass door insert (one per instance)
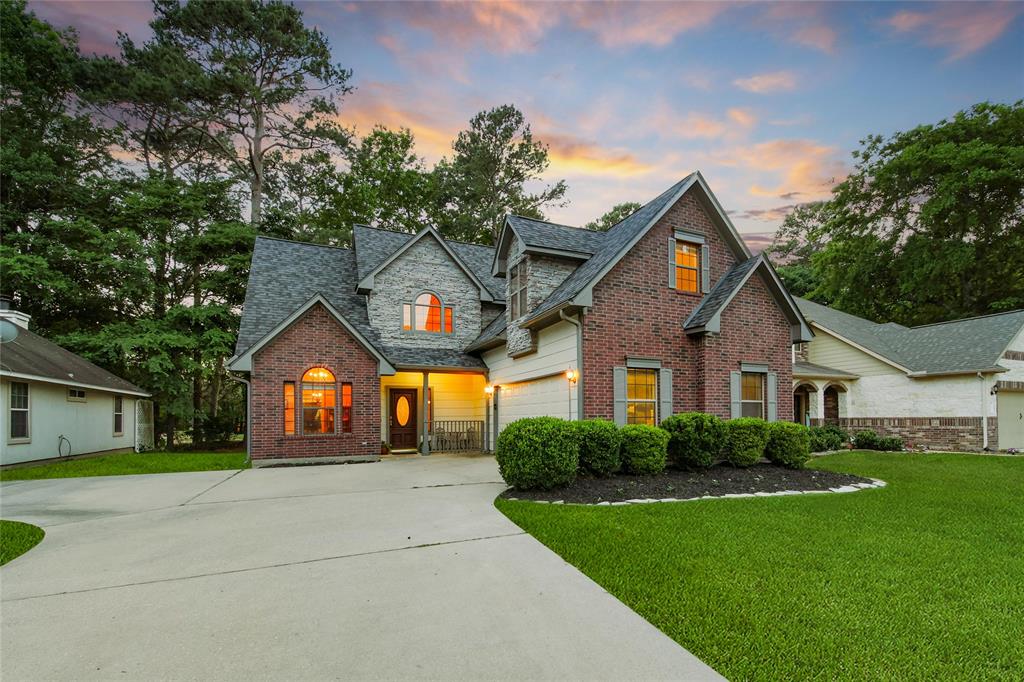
(402, 410)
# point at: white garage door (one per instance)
(542, 398)
(1011, 420)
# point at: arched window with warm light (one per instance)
(428, 314)
(319, 401)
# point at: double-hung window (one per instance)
(118, 415)
(753, 394)
(517, 289)
(642, 396)
(428, 314)
(19, 411)
(687, 266)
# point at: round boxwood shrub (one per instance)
(789, 444)
(891, 444)
(538, 452)
(644, 449)
(600, 442)
(867, 440)
(696, 439)
(825, 439)
(745, 440)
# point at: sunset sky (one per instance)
(767, 100)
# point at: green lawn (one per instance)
(129, 463)
(16, 538)
(923, 579)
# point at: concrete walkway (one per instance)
(392, 570)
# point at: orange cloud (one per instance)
(505, 26)
(742, 117)
(819, 37)
(764, 83)
(802, 168)
(961, 28)
(572, 155)
(383, 104)
(624, 24)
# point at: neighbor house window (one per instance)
(319, 401)
(76, 395)
(517, 289)
(118, 415)
(289, 408)
(687, 266)
(753, 394)
(641, 396)
(427, 314)
(19, 411)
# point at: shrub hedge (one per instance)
(890, 443)
(826, 438)
(538, 452)
(866, 440)
(696, 439)
(644, 449)
(600, 443)
(745, 440)
(789, 444)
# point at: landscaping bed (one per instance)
(716, 481)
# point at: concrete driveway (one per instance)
(392, 570)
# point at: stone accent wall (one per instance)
(488, 312)
(802, 351)
(426, 266)
(315, 340)
(636, 313)
(544, 274)
(933, 433)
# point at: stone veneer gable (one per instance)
(425, 266)
(544, 274)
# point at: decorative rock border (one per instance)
(875, 483)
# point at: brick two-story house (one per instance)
(406, 335)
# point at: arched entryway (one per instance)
(803, 401)
(831, 399)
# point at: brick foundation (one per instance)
(315, 340)
(635, 313)
(933, 433)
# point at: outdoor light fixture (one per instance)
(488, 389)
(571, 375)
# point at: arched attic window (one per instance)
(427, 314)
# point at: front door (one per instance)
(403, 418)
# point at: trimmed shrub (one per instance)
(825, 438)
(867, 440)
(696, 439)
(789, 444)
(538, 452)
(600, 442)
(890, 444)
(745, 440)
(644, 449)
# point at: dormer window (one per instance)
(517, 289)
(688, 263)
(428, 314)
(687, 266)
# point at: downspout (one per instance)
(579, 359)
(248, 415)
(984, 412)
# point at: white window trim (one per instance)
(76, 399)
(10, 408)
(118, 434)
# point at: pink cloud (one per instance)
(764, 83)
(960, 28)
(787, 168)
(625, 24)
(801, 23)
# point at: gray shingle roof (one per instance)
(31, 354)
(809, 369)
(373, 246)
(720, 293)
(285, 275)
(957, 346)
(492, 334)
(614, 241)
(545, 235)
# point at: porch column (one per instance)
(821, 401)
(426, 414)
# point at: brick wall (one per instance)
(636, 313)
(315, 340)
(933, 433)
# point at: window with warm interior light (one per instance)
(687, 266)
(319, 401)
(753, 394)
(346, 408)
(641, 396)
(517, 289)
(428, 314)
(289, 408)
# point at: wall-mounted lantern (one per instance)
(571, 375)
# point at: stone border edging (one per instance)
(852, 488)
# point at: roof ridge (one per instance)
(413, 234)
(296, 241)
(548, 222)
(966, 319)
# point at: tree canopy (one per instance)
(614, 216)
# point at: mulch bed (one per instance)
(718, 480)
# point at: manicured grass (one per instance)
(923, 579)
(129, 463)
(16, 538)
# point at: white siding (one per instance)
(829, 351)
(1016, 367)
(89, 425)
(535, 385)
(897, 395)
(456, 396)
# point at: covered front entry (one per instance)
(449, 407)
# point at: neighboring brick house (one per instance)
(406, 336)
(956, 385)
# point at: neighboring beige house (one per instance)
(933, 385)
(54, 403)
